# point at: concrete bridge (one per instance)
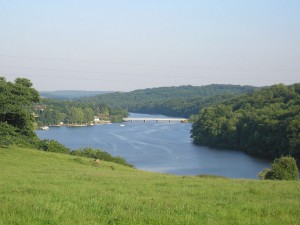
(182, 120)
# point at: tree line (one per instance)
(265, 123)
(76, 111)
(182, 101)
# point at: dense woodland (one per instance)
(182, 101)
(264, 123)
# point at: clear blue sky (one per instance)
(132, 44)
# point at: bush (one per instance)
(266, 174)
(101, 155)
(7, 133)
(283, 168)
(53, 146)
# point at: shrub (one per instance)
(53, 146)
(101, 155)
(283, 168)
(7, 133)
(266, 174)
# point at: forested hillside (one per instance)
(180, 101)
(173, 101)
(264, 123)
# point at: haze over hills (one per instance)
(71, 94)
(182, 101)
(173, 92)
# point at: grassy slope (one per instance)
(48, 188)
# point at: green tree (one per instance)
(23, 81)
(88, 115)
(104, 109)
(50, 117)
(76, 115)
(15, 103)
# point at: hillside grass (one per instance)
(50, 188)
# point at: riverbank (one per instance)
(49, 188)
(74, 125)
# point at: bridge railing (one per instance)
(183, 120)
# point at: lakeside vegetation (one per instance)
(38, 187)
(76, 112)
(265, 123)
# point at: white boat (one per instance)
(122, 125)
(45, 128)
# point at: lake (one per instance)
(160, 147)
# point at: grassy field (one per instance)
(49, 188)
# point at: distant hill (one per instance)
(71, 94)
(171, 93)
(172, 101)
(182, 101)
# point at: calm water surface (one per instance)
(160, 147)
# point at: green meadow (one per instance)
(50, 188)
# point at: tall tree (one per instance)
(16, 100)
(88, 115)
